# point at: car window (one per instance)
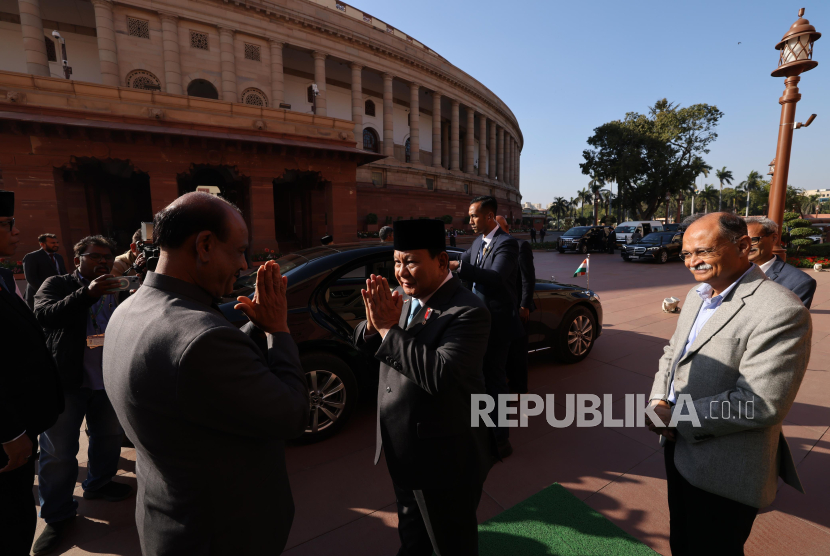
(342, 295)
(625, 229)
(678, 238)
(576, 232)
(385, 268)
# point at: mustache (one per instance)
(702, 266)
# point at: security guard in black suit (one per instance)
(30, 401)
(431, 348)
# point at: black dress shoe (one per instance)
(51, 536)
(505, 449)
(111, 492)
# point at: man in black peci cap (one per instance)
(30, 401)
(431, 348)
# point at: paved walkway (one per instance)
(345, 506)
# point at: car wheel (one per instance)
(332, 393)
(583, 248)
(664, 257)
(576, 335)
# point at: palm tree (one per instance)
(750, 184)
(707, 195)
(572, 202)
(559, 204)
(809, 203)
(583, 195)
(724, 177)
(595, 185)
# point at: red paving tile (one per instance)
(345, 505)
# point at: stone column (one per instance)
(492, 173)
(277, 76)
(436, 129)
(357, 103)
(34, 46)
(445, 145)
(454, 143)
(518, 167)
(414, 124)
(228, 64)
(388, 122)
(320, 80)
(471, 141)
(508, 159)
(482, 145)
(107, 52)
(172, 59)
(500, 161)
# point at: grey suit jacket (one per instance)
(755, 348)
(207, 411)
(793, 279)
(428, 372)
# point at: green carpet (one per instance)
(555, 522)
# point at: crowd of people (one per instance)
(209, 406)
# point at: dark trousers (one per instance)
(440, 520)
(18, 516)
(517, 365)
(702, 522)
(495, 377)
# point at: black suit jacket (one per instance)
(61, 308)
(495, 280)
(526, 277)
(428, 372)
(37, 267)
(793, 279)
(208, 413)
(30, 394)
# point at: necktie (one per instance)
(413, 310)
(54, 263)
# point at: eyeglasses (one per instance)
(10, 222)
(756, 239)
(97, 257)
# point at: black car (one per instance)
(583, 239)
(325, 306)
(671, 227)
(657, 246)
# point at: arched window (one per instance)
(254, 97)
(370, 140)
(202, 88)
(140, 79)
(369, 108)
(408, 150)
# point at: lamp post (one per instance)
(796, 57)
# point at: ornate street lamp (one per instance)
(771, 168)
(795, 58)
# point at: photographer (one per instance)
(134, 261)
(207, 408)
(74, 310)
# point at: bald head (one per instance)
(203, 240)
(502, 223)
(191, 214)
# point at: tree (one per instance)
(750, 184)
(559, 205)
(652, 156)
(708, 195)
(809, 203)
(800, 230)
(724, 177)
(595, 186)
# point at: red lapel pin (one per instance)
(427, 314)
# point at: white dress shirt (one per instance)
(767, 265)
(710, 305)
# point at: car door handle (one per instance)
(341, 293)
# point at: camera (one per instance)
(146, 247)
(126, 283)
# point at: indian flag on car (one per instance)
(583, 269)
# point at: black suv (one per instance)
(657, 246)
(583, 239)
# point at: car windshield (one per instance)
(576, 232)
(625, 229)
(652, 238)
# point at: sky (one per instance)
(565, 68)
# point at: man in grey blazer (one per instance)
(431, 348)
(207, 409)
(764, 235)
(737, 357)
